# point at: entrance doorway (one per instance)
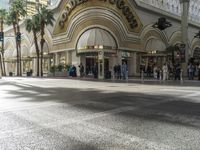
(107, 72)
(92, 67)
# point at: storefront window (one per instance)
(62, 58)
(196, 54)
(126, 54)
(26, 66)
(46, 65)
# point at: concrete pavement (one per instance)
(65, 114)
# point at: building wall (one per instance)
(107, 17)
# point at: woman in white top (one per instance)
(165, 71)
(155, 69)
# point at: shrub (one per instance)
(53, 69)
(60, 67)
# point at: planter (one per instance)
(58, 74)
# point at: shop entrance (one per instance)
(97, 45)
(148, 62)
(92, 67)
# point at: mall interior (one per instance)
(105, 33)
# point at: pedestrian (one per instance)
(165, 71)
(119, 76)
(74, 74)
(155, 72)
(115, 72)
(81, 69)
(191, 71)
(177, 72)
(95, 70)
(124, 71)
(149, 71)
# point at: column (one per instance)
(119, 58)
(184, 25)
(134, 63)
(56, 59)
(34, 61)
(101, 64)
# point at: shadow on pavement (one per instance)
(161, 108)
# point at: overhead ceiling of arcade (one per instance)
(173, 6)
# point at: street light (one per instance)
(162, 24)
(197, 35)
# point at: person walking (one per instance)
(155, 71)
(124, 71)
(119, 71)
(165, 71)
(81, 69)
(74, 74)
(177, 72)
(115, 72)
(191, 71)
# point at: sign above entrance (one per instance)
(121, 6)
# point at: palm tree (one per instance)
(11, 20)
(46, 18)
(18, 11)
(34, 26)
(3, 14)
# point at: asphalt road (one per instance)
(64, 114)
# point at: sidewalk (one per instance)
(138, 80)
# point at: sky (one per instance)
(4, 3)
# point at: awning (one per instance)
(155, 45)
(96, 39)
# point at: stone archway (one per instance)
(95, 46)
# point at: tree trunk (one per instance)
(2, 52)
(19, 48)
(15, 32)
(1, 66)
(42, 44)
(3, 60)
(37, 52)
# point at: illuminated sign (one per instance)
(120, 4)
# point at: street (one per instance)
(68, 114)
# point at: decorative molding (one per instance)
(71, 9)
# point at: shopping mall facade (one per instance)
(106, 33)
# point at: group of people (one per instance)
(161, 72)
(192, 69)
(121, 72)
(165, 72)
(83, 72)
(72, 71)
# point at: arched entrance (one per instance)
(97, 49)
(196, 55)
(155, 55)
